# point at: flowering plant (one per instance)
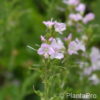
(62, 52)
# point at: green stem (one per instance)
(46, 87)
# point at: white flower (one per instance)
(80, 45)
(75, 46)
(54, 50)
(57, 55)
(49, 24)
(68, 38)
(45, 50)
(95, 54)
(59, 27)
(58, 47)
(42, 38)
(81, 8)
(95, 58)
(75, 17)
(89, 17)
(72, 48)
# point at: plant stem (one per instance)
(46, 87)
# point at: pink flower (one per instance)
(51, 39)
(75, 46)
(95, 54)
(49, 24)
(71, 2)
(45, 50)
(75, 17)
(42, 38)
(95, 58)
(95, 61)
(89, 17)
(80, 45)
(72, 48)
(54, 50)
(57, 55)
(69, 37)
(58, 47)
(59, 27)
(81, 8)
(57, 44)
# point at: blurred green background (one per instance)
(21, 25)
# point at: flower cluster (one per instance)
(54, 47)
(59, 27)
(95, 61)
(78, 17)
(77, 14)
(90, 69)
(61, 43)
